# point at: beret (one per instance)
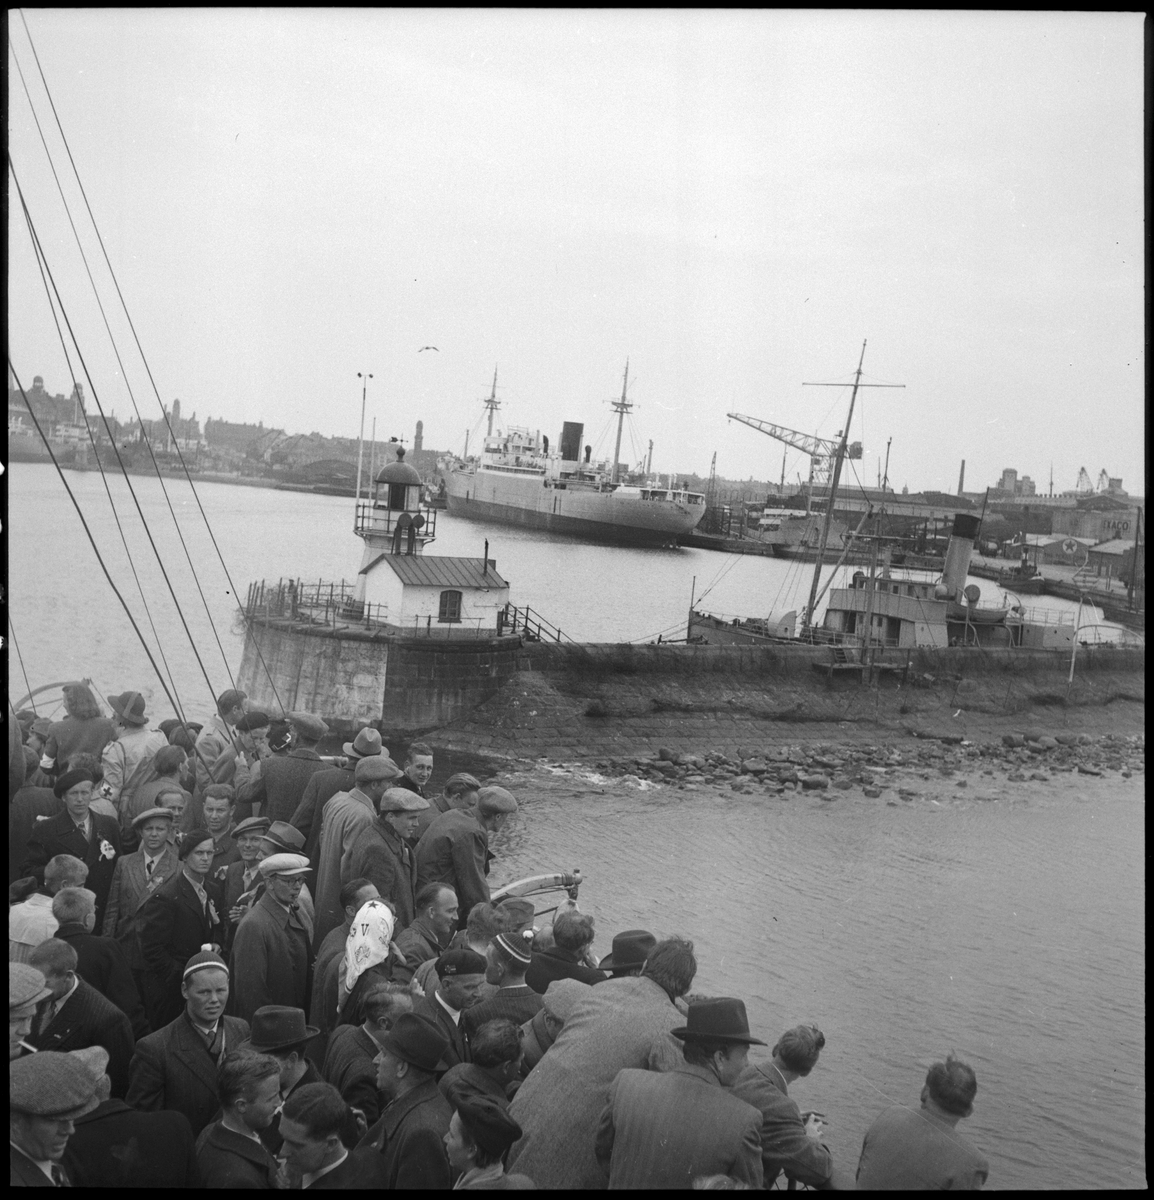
(376, 766)
(25, 985)
(70, 779)
(252, 825)
(51, 1084)
(190, 841)
(149, 813)
(402, 800)
(495, 800)
(460, 962)
(283, 864)
(251, 721)
(204, 959)
(308, 725)
(485, 1119)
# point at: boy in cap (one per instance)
(455, 847)
(47, 1092)
(507, 960)
(381, 854)
(665, 1129)
(271, 954)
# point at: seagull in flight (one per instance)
(428, 348)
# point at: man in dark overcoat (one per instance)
(176, 1067)
(76, 1015)
(381, 854)
(182, 915)
(462, 978)
(271, 955)
(282, 781)
(88, 836)
(429, 933)
(410, 1134)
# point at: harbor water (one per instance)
(1008, 926)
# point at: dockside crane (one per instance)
(821, 451)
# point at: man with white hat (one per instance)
(381, 854)
(343, 817)
(282, 780)
(271, 954)
(455, 848)
(46, 1093)
(26, 988)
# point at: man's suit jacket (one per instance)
(282, 783)
(664, 1129)
(455, 850)
(172, 928)
(384, 859)
(87, 1019)
(361, 1171)
(25, 1173)
(131, 887)
(270, 959)
(100, 850)
(173, 1069)
(432, 1010)
(116, 1146)
(517, 1004)
(349, 1068)
(410, 1137)
(230, 1160)
(418, 943)
(100, 962)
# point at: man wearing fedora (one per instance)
(411, 1130)
(283, 780)
(341, 819)
(86, 835)
(47, 1092)
(281, 1031)
(176, 1067)
(271, 956)
(628, 953)
(324, 785)
(381, 854)
(665, 1129)
(127, 759)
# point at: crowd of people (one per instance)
(235, 963)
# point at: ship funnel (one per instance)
(958, 552)
(571, 434)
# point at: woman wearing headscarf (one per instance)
(366, 958)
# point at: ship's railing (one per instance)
(531, 625)
(383, 522)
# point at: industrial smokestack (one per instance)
(962, 477)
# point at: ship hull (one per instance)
(572, 512)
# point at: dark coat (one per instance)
(418, 943)
(271, 1135)
(785, 1146)
(282, 783)
(349, 1068)
(270, 959)
(28, 806)
(234, 888)
(382, 858)
(116, 1146)
(230, 1160)
(173, 1069)
(172, 928)
(25, 1173)
(88, 1019)
(131, 886)
(60, 835)
(430, 1008)
(321, 1008)
(517, 1004)
(556, 963)
(478, 1080)
(224, 854)
(410, 1137)
(455, 850)
(100, 962)
(361, 1171)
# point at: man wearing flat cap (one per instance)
(241, 877)
(325, 784)
(88, 836)
(271, 955)
(411, 1130)
(380, 852)
(26, 988)
(455, 848)
(341, 819)
(126, 761)
(47, 1092)
(283, 780)
(665, 1129)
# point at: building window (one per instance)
(450, 607)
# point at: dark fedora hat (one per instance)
(630, 949)
(276, 1026)
(129, 707)
(417, 1041)
(721, 1019)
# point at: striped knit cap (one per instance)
(515, 946)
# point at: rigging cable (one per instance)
(148, 371)
(100, 409)
(20, 659)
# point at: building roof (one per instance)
(418, 571)
(1114, 546)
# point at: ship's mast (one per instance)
(621, 407)
(492, 403)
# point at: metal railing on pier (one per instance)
(529, 624)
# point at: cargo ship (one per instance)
(519, 479)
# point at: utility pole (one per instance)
(649, 460)
(492, 404)
(620, 407)
(361, 440)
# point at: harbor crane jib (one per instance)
(821, 451)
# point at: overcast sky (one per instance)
(733, 201)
